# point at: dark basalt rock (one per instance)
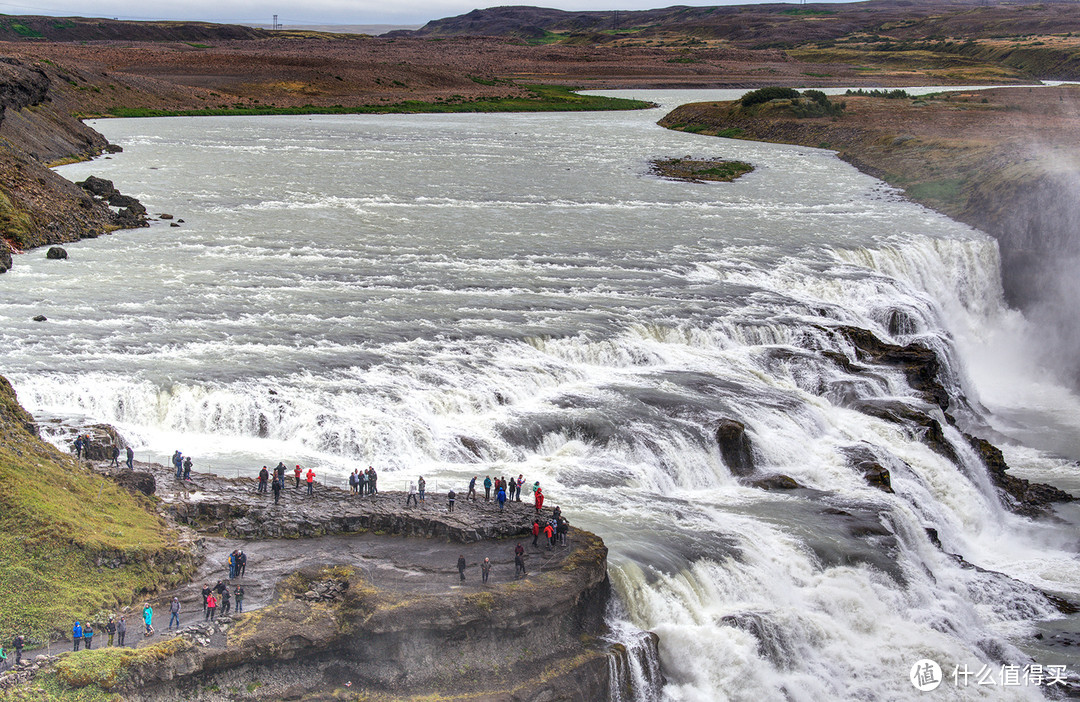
(929, 429)
(735, 447)
(776, 482)
(919, 363)
(113, 149)
(99, 187)
(5, 258)
(118, 200)
(1022, 496)
(136, 481)
(103, 438)
(862, 459)
(40, 318)
(56, 253)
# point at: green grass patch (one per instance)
(696, 171)
(807, 12)
(544, 98)
(947, 190)
(731, 132)
(196, 45)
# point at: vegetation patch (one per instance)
(808, 103)
(699, 170)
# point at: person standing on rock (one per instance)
(88, 636)
(114, 454)
(121, 631)
(296, 472)
(461, 566)
(178, 462)
(187, 468)
(487, 488)
(238, 595)
(471, 495)
(18, 643)
(485, 570)
(520, 482)
(539, 496)
(502, 498)
(241, 558)
(110, 629)
(226, 601)
(76, 635)
(148, 619)
(549, 532)
(174, 613)
(310, 481)
(352, 482)
(519, 566)
(450, 497)
(277, 491)
(78, 446)
(373, 481)
(412, 495)
(130, 458)
(264, 475)
(421, 485)
(536, 531)
(361, 482)
(211, 606)
(205, 595)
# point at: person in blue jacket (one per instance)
(76, 635)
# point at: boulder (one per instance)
(56, 253)
(136, 481)
(40, 318)
(113, 149)
(98, 187)
(735, 447)
(776, 482)
(164, 215)
(863, 459)
(5, 259)
(131, 203)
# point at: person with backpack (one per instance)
(550, 534)
(502, 498)
(178, 462)
(114, 454)
(471, 495)
(130, 458)
(76, 635)
(487, 488)
(264, 475)
(277, 491)
(78, 446)
(174, 613)
(226, 601)
(518, 484)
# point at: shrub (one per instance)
(763, 95)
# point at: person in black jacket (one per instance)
(461, 566)
(19, 642)
(110, 629)
(264, 475)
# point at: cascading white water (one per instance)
(412, 288)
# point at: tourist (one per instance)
(174, 613)
(539, 497)
(19, 642)
(535, 530)
(353, 482)
(421, 485)
(178, 462)
(502, 498)
(187, 468)
(148, 619)
(264, 475)
(78, 446)
(76, 635)
(232, 565)
(311, 482)
(88, 636)
(557, 514)
(121, 630)
(550, 534)
(519, 550)
(561, 531)
(296, 472)
(361, 482)
(211, 606)
(220, 587)
(226, 601)
(519, 566)
(238, 595)
(373, 481)
(487, 488)
(450, 497)
(277, 490)
(412, 495)
(471, 495)
(110, 629)
(485, 569)
(130, 458)
(205, 594)
(461, 566)
(241, 558)
(114, 454)
(517, 488)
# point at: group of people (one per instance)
(420, 486)
(218, 596)
(508, 489)
(83, 633)
(82, 450)
(237, 564)
(183, 466)
(277, 480)
(365, 482)
(555, 530)
(485, 565)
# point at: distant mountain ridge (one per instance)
(39, 28)
(776, 24)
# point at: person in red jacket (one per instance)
(297, 474)
(550, 534)
(211, 606)
(310, 481)
(539, 499)
(536, 530)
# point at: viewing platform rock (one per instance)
(360, 597)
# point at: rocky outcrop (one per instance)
(1022, 496)
(862, 459)
(735, 447)
(919, 363)
(131, 213)
(776, 482)
(56, 253)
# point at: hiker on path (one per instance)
(76, 635)
(121, 630)
(264, 475)
(19, 642)
(238, 595)
(461, 566)
(471, 495)
(412, 495)
(226, 601)
(211, 606)
(148, 619)
(241, 558)
(114, 454)
(88, 636)
(485, 570)
(130, 458)
(450, 497)
(110, 629)
(421, 485)
(174, 613)
(78, 446)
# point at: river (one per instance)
(452, 295)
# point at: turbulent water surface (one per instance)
(372, 290)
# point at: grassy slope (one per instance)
(57, 522)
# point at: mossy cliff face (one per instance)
(332, 634)
(72, 544)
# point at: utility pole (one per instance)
(278, 26)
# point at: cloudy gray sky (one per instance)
(306, 11)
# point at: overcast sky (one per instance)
(306, 11)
